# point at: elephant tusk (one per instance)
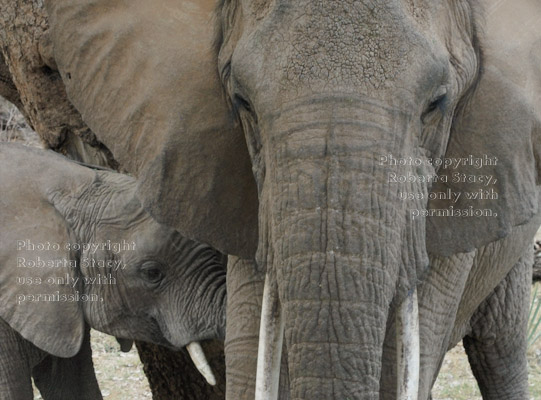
(200, 361)
(271, 334)
(408, 353)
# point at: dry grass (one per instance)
(13, 126)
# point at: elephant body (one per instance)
(271, 120)
(79, 251)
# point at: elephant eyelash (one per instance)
(436, 104)
(240, 102)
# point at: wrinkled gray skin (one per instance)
(323, 89)
(169, 289)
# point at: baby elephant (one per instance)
(77, 250)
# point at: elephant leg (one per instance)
(18, 356)
(68, 378)
(496, 345)
(244, 296)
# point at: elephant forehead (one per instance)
(350, 47)
(353, 43)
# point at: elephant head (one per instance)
(89, 253)
(320, 97)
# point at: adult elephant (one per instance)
(328, 94)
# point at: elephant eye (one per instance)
(151, 272)
(437, 104)
(241, 102)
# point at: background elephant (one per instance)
(316, 94)
(79, 251)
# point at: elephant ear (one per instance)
(501, 125)
(143, 74)
(35, 299)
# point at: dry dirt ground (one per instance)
(121, 375)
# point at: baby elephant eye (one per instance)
(151, 272)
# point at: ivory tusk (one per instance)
(271, 334)
(408, 353)
(200, 361)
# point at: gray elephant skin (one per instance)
(78, 251)
(267, 128)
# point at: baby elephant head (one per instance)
(156, 285)
(99, 258)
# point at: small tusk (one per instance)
(200, 362)
(408, 354)
(271, 335)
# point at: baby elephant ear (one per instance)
(144, 76)
(38, 295)
(495, 149)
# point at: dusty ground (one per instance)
(121, 375)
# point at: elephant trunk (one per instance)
(334, 309)
(335, 232)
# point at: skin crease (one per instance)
(156, 295)
(323, 89)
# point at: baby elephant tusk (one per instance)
(200, 362)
